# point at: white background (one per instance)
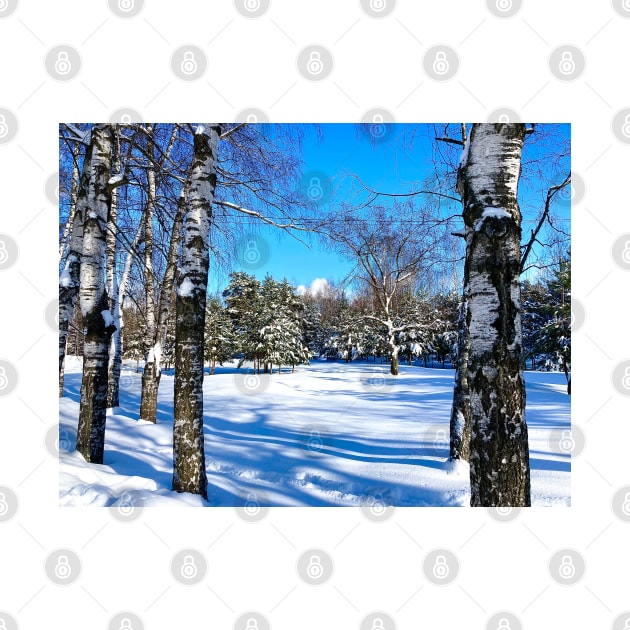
(251, 62)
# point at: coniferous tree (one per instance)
(219, 334)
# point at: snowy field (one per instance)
(330, 434)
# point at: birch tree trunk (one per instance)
(69, 278)
(74, 191)
(97, 319)
(189, 466)
(150, 375)
(112, 285)
(115, 360)
(460, 410)
(488, 180)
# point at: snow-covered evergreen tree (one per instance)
(219, 335)
(244, 306)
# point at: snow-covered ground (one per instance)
(328, 434)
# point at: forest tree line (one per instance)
(147, 209)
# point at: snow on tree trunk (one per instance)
(69, 278)
(151, 374)
(487, 180)
(460, 410)
(394, 362)
(97, 319)
(189, 467)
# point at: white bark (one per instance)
(189, 469)
(488, 180)
(94, 301)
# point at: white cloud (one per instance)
(318, 285)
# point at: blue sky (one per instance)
(392, 165)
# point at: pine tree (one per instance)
(244, 305)
(219, 334)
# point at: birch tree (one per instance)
(69, 278)
(150, 375)
(189, 467)
(93, 299)
(391, 247)
(487, 181)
